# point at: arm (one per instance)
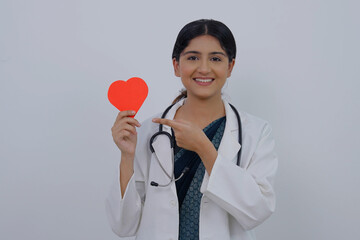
(124, 204)
(126, 171)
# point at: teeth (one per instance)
(203, 80)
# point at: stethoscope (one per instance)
(172, 144)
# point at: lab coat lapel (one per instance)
(229, 145)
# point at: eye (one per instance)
(192, 58)
(215, 59)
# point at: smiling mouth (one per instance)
(207, 80)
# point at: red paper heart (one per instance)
(128, 95)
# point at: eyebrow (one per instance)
(196, 52)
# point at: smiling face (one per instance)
(203, 67)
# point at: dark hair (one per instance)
(204, 27)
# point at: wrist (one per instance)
(126, 171)
(126, 166)
(127, 161)
(128, 157)
(205, 146)
(208, 154)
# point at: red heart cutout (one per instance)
(128, 95)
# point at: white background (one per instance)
(297, 67)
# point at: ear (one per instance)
(231, 66)
(176, 67)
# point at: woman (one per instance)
(212, 198)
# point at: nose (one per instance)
(204, 67)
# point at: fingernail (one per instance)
(133, 112)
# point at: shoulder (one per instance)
(256, 131)
(249, 122)
(253, 121)
(254, 126)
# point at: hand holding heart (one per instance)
(124, 133)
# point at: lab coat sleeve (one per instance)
(246, 194)
(124, 213)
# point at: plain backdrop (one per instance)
(297, 67)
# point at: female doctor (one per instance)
(195, 189)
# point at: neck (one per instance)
(201, 112)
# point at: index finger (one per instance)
(168, 122)
(127, 113)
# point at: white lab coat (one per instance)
(235, 199)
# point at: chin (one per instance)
(204, 96)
